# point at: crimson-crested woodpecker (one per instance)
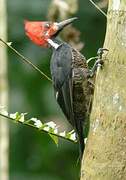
(69, 70)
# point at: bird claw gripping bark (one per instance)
(99, 62)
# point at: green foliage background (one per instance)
(33, 155)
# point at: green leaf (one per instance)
(54, 138)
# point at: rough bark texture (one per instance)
(3, 95)
(105, 153)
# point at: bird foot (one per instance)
(99, 62)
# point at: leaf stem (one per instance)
(97, 7)
(25, 60)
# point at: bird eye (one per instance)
(47, 25)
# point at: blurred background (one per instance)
(32, 154)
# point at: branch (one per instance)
(49, 127)
(99, 9)
(25, 59)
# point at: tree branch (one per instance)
(49, 127)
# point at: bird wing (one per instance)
(61, 70)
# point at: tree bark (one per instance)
(105, 154)
(4, 136)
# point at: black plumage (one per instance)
(72, 87)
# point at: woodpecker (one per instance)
(70, 73)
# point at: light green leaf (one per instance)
(54, 138)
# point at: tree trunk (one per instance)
(105, 154)
(3, 95)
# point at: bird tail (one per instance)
(80, 134)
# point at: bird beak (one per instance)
(64, 23)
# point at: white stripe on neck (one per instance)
(53, 44)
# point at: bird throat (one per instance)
(53, 43)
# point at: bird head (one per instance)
(40, 31)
